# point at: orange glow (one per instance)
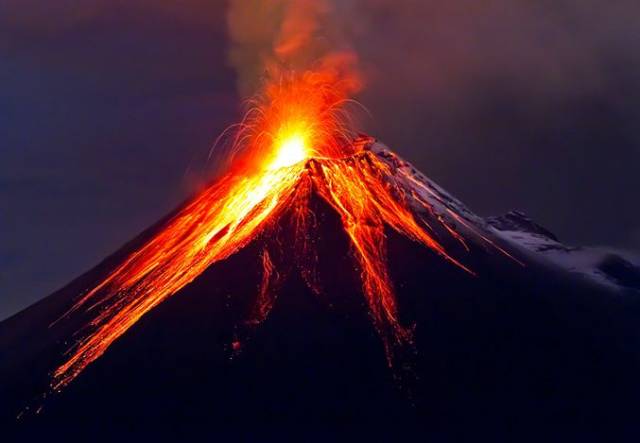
(294, 141)
(291, 149)
(219, 222)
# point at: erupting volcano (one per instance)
(294, 142)
(255, 300)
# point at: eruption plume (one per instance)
(276, 36)
(295, 140)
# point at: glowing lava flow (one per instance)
(220, 221)
(363, 191)
(296, 145)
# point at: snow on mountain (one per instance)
(612, 268)
(604, 265)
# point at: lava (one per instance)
(294, 141)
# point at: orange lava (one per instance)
(294, 141)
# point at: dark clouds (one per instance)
(509, 104)
(529, 104)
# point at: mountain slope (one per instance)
(513, 351)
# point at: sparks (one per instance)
(295, 140)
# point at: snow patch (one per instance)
(605, 266)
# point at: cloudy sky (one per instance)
(106, 108)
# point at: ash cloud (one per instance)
(266, 37)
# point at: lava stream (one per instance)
(294, 142)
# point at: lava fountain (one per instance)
(295, 140)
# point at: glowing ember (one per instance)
(292, 143)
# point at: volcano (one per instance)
(407, 314)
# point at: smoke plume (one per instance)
(268, 38)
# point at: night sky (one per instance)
(108, 109)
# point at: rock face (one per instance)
(516, 351)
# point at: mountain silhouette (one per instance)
(534, 343)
